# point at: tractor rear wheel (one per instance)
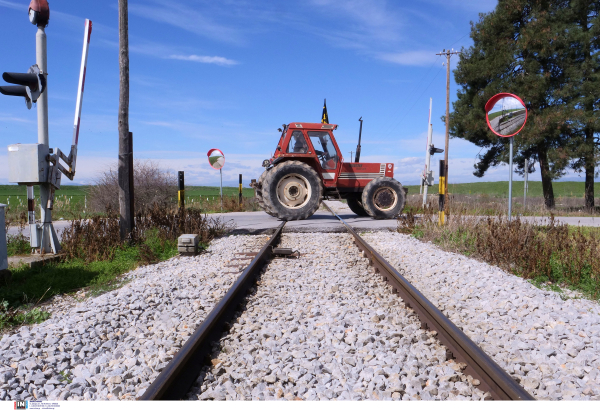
(383, 198)
(292, 190)
(259, 193)
(355, 204)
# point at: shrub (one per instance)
(152, 186)
(98, 238)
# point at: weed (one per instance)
(65, 376)
(10, 317)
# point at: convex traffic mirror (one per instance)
(506, 114)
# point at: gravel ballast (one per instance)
(114, 345)
(551, 345)
(324, 326)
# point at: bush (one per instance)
(98, 238)
(152, 186)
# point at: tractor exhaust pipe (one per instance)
(357, 157)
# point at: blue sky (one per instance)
(226, 74)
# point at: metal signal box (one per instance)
(28, 163)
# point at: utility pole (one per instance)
(125, 146)
(351, 155)
(448, 54)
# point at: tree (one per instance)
(519, 48)
(582, 66)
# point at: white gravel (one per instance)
(114, 345)
(551, 345)
(325, 327)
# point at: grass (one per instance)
(96, 257)
(564, 189)
(70, 200)
(29, 286)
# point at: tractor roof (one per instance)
(312, 126)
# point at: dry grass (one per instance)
(98, 238)
(212, 204)
(482, 204)
(553, 254)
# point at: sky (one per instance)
(226, 74)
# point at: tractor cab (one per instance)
(314, 144)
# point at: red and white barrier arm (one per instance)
(82, 71)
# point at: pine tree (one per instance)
(581, 58)
(519, 48)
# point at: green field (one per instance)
(77, 193)
(500, 189)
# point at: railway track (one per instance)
(178, 377)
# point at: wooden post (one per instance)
(240, 194)
(131, 183)
(125, 167)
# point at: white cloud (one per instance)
(204, 59)
(190, 19)
(11, 5)
(411, 58)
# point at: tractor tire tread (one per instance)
(270, 195)
(369, 203)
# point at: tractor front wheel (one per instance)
(383, 198)
(260, 193)
(292, 190)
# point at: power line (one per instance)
(388, 130)
(414, 103)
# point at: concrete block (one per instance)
(187, 244)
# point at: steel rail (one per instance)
(176, 379)
(479, 365)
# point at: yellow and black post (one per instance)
(240, 194)
(181, 190)
(442, 185)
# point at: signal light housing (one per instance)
(434, 150)
(30, 85)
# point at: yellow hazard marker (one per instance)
(442, 186)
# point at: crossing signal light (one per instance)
(434, 150)
(30, 85)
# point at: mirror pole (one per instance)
(510, 170)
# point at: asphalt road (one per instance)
(256, 222)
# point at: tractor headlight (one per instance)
(266, 163)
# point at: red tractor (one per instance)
(308, 166)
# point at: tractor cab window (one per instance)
(297, 144)
(324, 149)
